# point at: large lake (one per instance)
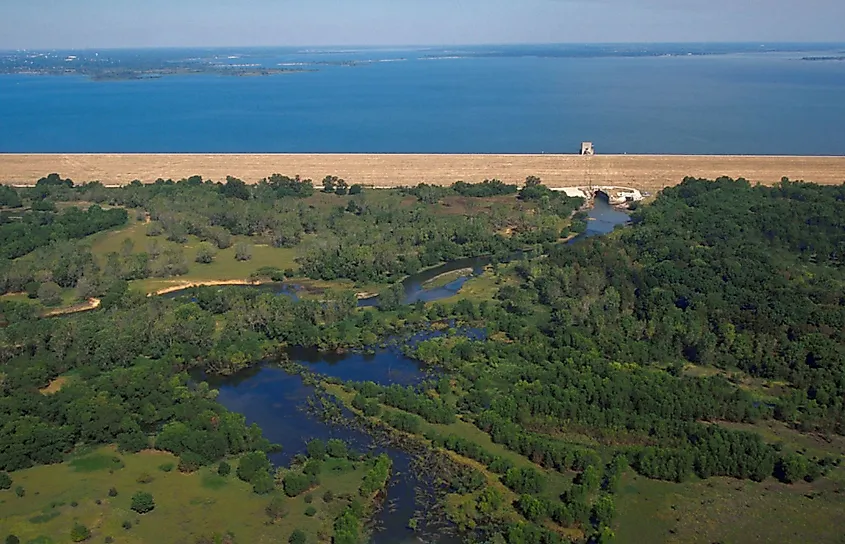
(477, 100)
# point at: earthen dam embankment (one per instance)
(643, 172)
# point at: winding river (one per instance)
(602, 218)
(279, 402)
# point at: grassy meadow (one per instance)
(728, 511)
(224, 267)
(188, 506)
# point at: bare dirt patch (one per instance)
(90, 304)
(210, 283)
(55, 386)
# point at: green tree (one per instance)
(296, 484)
(251, 464)
(262, 482)
(346, 528)
(223, 469)
(205, 253)
(235, 188)
(342, 187)
(50, 294)
(243, 251)
(142, 502)
(329, 184)
(316, 449)
(277, 508)
(603, 510)
(5, 480)
(297, 537)
(79, 533)
(391, 298)
(337, 448)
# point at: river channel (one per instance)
(602, 218)
(279, 402)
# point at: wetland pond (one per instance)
(284, 406)
(285, 409)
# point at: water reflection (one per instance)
(278, 402)
(602, 219)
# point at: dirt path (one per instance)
(90, 304)
(188, 284)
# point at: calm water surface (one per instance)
(482, 100)
(277, 402)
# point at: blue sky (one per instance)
(138, 23)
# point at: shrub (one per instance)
(13, 539)
(154, 229)
(127, 525)
(313, 467)
(337, 448)
(50, 294)
(109, 540)
(166, 467)
(309, 498)
(79, 533)
(205, 253)
(297, 537)
(5, 481)
(316, 449)
(524, 480)
(224, 469)
(252, 463)
(310, 511)
(328, 496)
(142, 502)
(112, 492)
(295, 484)
(262, 483)
(243, 251)
(144, 478)
(277, 508)
(74, 504)
(133, 441)
(189, 461)
(20, 491)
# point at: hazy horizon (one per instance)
(422, 46)
(127, 24)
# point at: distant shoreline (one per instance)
(642, 172)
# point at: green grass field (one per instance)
(224, 266)
(187, 505)
(728, 511)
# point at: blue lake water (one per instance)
(494, 100)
